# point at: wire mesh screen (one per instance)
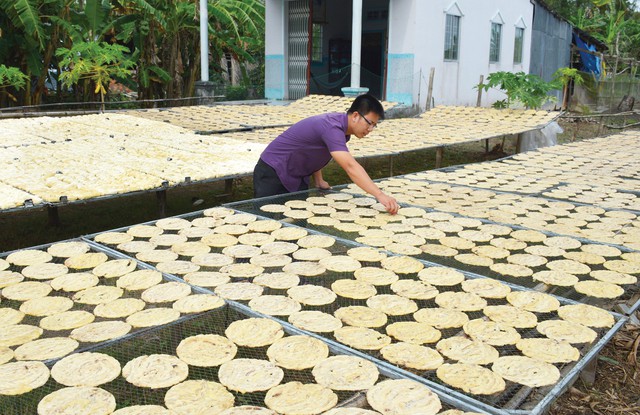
(569, 267)
(612, 226)
(72, 296)
(193, 366)
(606, 191)
(371, 301)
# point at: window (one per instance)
(452, 37)
(377, 14)
(494, 50)
(316, 43)
(517, 48)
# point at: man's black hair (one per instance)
(364, 104)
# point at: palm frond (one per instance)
(96, 12)
(27, 18)
(144, 6)
(74, 31)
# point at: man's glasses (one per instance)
(369, 123)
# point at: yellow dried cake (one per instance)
(254, 332)
(346, 373)
(471, 378)
(85, 369)
(45, 349)
(249, 375)
(81, 400)
(299, 398)
(198, 397)
(155, 371)
(526, 371)
(17, 378)
(403, 397)
(413, 332)
(297, 352)
(491, 332)
(315, 321)
(465, 350)
(587, 315)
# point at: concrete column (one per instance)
(356, 49)
(204, 88)
(356, 43)
(204, 41)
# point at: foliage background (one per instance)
(616, 23)
(161, 38)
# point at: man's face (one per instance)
(364, 123)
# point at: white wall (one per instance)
(275, 49)
(402, 74)
(416, 44)
(417, 28)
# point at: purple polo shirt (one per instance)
(305, 148)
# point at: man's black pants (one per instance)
(267, 183)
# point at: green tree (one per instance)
(235, 28)
(528, 90)
(564, 76)
(142, 24)
(97, 62)
(167, 43)
(614, 22)
(28, 39)
(11, 78)
(163, 36)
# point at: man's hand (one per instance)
(322, 185)
(389, 203)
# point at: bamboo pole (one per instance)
(430, 91)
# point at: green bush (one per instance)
(527, 90)
(236, 93)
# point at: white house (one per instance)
(390, 46)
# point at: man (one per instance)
(307, 146)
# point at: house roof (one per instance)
(601, 46)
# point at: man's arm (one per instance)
(319, 181)
(359, 176)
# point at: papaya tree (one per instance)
(564, 76)
(11, 78)
(98, 62)
(521, 89)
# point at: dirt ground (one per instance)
(616, 387)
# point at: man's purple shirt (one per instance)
(306, 147)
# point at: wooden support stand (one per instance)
(439, 153)
(161, 196)
(228, 187)
(53, 216)
(588, 374)
(430, 90)
(479, 98)
(390, 165)
(518, 143)
(601, 127)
